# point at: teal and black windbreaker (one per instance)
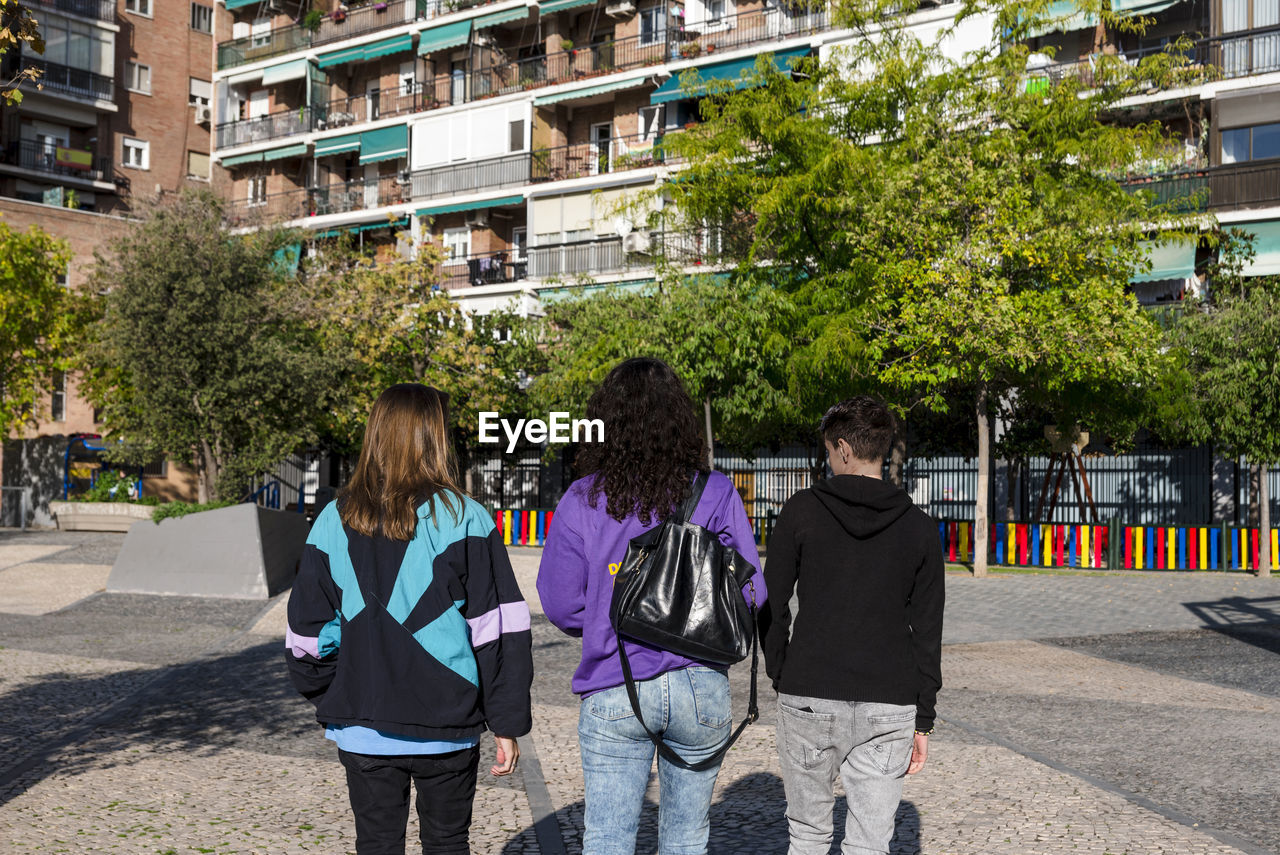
(427, 638)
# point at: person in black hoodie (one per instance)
(858, 674)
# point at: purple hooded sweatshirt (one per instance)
(575, 580)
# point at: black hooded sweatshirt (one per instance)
(868, 564)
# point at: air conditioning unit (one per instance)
(620, 9)
(478, 219)
(204, 114)
(636, 242)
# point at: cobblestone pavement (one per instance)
(1081, 714)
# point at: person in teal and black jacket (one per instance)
(408, 632)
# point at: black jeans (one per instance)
(379, 790)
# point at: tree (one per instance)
(197, 354)
(728, 339)
(39, 322)
(1231, 389)
(945, 224)
(17, 27)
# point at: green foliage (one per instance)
(728, 338)
(40, 322)
(199, 355)
(18, 27)
(174, 510)
(110, 486)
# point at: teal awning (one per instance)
(238, 159)
(1063, 16)
(337, 145)
(1173, 260)
(1266, 248)
(561, 5)
(295, 70)
(240, 4)
(731, 72)
(589, 91)
(288, 151)
(387, 47)
(1141, 7)
(355, 54)
(384, 144)
(469, 206)
(493, 19)
(440, 38)
(367, 227)
(285, 259)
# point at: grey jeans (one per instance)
(867, 744)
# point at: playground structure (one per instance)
(86, 457)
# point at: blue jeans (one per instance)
(689, 709)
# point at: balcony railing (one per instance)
(637, 251)
(61, 78)
(356, 22)
(295, 120)
(490, 268)
(57, 160)
(98, 10)
(458, 179)
(1228, 187)
(617, 154)
(318, 201)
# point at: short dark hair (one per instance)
(864, 422)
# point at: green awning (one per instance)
(493, 19)
(295, 70)
(589, 91)
(240, 4)
(1173, 260)
(285, 259)
(298, 150)
(337, 145)
(384, 144)
(561, 5)
(1266, 248)
(387, 47)
(339, 57)
(731, 72)
(367, 227)
(237, 160)
(469, 206)
(1063, 16)
(440, 38)
(1141, 7)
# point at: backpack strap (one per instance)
(691, 504)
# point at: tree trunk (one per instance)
(897, 460)
(1255, 487)
(1011, 494)
(711, 453)
(1264, 512)
(980, 521)
(209, 472)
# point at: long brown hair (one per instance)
(405, 460)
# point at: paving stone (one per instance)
(36, 588)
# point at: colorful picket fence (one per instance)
(529, 528)
(1113, 546)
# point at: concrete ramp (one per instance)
(242, 551)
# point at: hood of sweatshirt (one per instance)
(863, 506)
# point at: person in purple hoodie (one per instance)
(638, 475)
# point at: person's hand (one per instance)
(919, 753)
(508, 755)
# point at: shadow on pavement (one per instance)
(1253, 621)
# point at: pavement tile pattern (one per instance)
(1081, 714)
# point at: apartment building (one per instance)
(119, 114)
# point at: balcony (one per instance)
(471, 177)
(490, 268)
(639, 251)
(319, 201)
(1230, 187)
(617, 154)
(378, 104)
(57, 160)
(357, 22)
(61, 79)
(97, 10)
(294, 120)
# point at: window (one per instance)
(77, 45)
(137, 153)
(1240, 15)
(257, 191)
(201, 93)
(715, 10)
(201, 18)
(515, 135)
(138, 7)
(408, 78)
(650, 123)
(137, 77)
(198, 165)
(260, 32)
(1259, 142)
(653, 21)
(58, 402)
(519, 243)
(457, 243)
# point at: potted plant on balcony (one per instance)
(689, 50)
(312, 20)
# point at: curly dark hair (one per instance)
(652, 441)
